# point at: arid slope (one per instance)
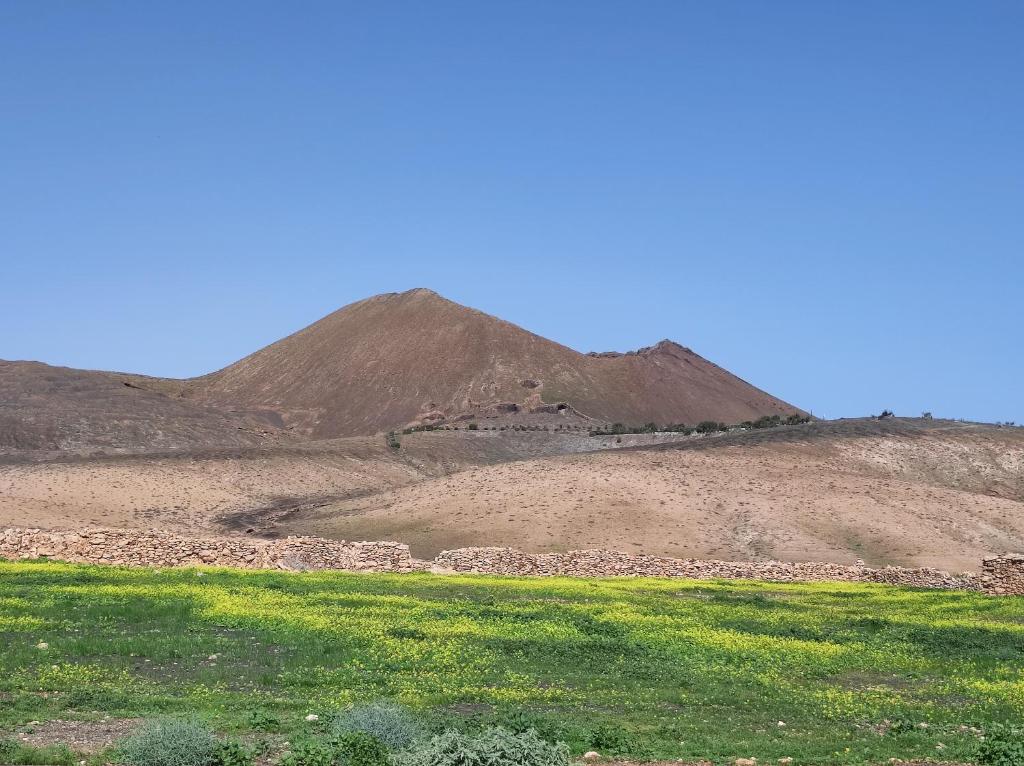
(63, 409)
(907, 492)
(247, 488)
(887, 493)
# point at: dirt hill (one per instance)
(915, 493)
(415, 357)
(908, 492)
(62, 409)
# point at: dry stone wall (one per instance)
(1002, 575)
(600, 563)
(140, 548)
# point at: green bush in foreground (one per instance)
(1002, 746)
(360, 749)
(350, 749)
(184, 742)
(170, 743)
(494, 746)
(388, 722)
(310, 752)
(13, 753)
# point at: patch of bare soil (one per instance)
(80, 736)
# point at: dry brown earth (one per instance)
(913, 493)
(237, 489)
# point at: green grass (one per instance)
(679, 669)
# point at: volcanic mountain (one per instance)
(415, 357)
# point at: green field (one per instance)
(650, 668)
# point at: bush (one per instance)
(309, 752)
(709, 427)
(232, 753)
(494, 746)
(349, 749)
(1002, 746)
(170, 743)
(357, 748)
(261, 720)
(611, 740)
(389, 722)
(16, 753)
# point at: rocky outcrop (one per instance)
(1003, 575)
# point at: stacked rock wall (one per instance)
(128, 547)
(600, 563)
(1003, 575)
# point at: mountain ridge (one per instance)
(387, 362)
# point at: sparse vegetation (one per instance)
(392, 440)
(494, 746)
(704, 427)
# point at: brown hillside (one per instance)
(411, 357)
(893, 491)
(58, 408)
(916, 494)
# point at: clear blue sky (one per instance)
(825, 197)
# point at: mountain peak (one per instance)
(411, 357)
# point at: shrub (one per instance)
(709, 427)
(17, 753)
(493, 746)
(232, 753)
(261, 720)
(170, 743)
(354, 748)
(357, 748)
(389, 722)
(1002, 746)
(309, 752)
(473, 427)
(611, 740)
(520, 722)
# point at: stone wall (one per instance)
(1003, 575)
(140, 548)
(599, 563)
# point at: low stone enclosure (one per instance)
(1002, 575)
